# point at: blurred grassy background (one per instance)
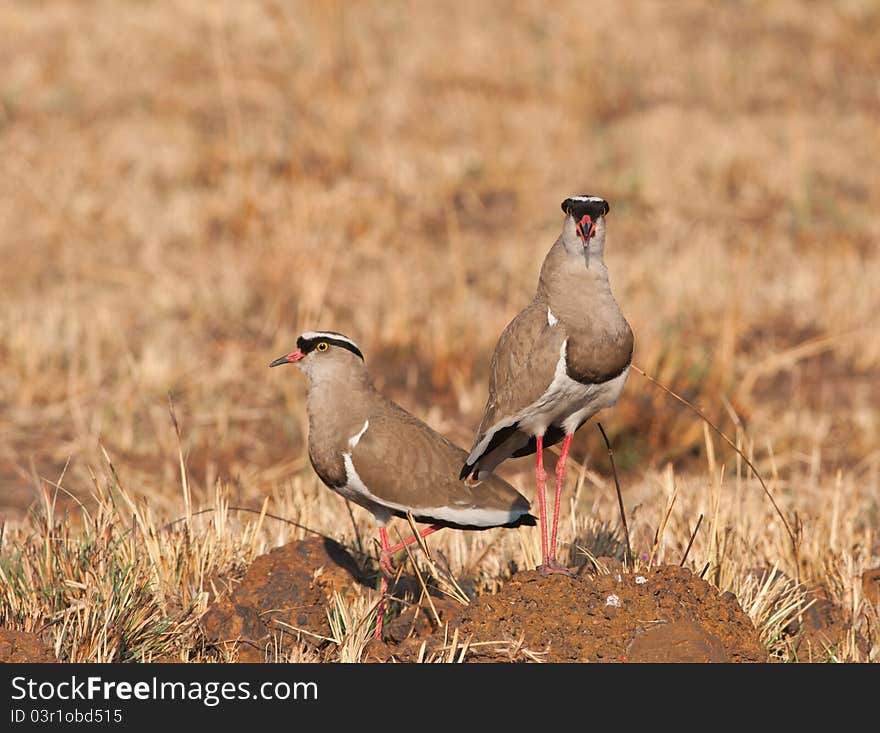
(185, 186)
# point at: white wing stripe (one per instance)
(356, 438)
(466, 515)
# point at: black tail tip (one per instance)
(523, 520)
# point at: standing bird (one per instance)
(373, 452)
(561, 360)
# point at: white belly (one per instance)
(565, 404)
(568, 403)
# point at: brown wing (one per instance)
(405, 463)
(523, 364)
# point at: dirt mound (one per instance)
(825, 626)
(284, 590)
(24, 646)
(665, 615)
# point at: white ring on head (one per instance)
(309, 335)
(587, 198)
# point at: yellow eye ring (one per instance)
(322, 346)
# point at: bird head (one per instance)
(323, 352)
(583, 232)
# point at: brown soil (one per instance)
(667, 614)
(282, 598)
(24, 646)
(823, 627)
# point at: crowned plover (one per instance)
(373, 452)
(559, 361)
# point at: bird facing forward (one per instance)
(559, 361)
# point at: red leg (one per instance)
(560, 478)
(540, 480)
(410, 540)
(385, 560)
(388, 569)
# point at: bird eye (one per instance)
(322, 346)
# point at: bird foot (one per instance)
(387, 566)
(554, 567)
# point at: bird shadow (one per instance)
(597, 549)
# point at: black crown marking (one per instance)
(592, 206)
(307, 345)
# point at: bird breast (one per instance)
(567, 402)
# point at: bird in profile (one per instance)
(376, 454)
(563, 358)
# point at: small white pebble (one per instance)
(619, 579)
(612, 600)
(641, 580)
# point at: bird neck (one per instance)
(338, 407)
(574, 262)
(573, 283)
(581, 298)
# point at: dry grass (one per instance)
(186, 186)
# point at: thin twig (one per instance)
(629, 555)
(209, 509)
(424, 549)
(661, 528)
(184, 481)
(357, 532)
(448, 583)
(693, 537)
(705, 568)
(699, 412)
